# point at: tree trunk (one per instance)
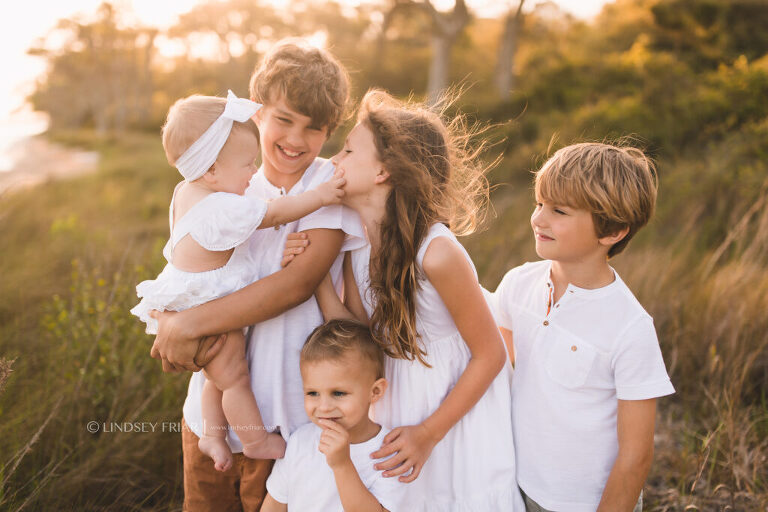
(446, 28)
(438, 68)
(505, 62)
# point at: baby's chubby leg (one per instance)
(213, 441)
(229, 372)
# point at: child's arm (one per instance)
(332, 307)
(334, 443)
(272, 505)
(352, 299)
(635, 424)
(290, 208)
(178, 334)
(451, 274)
(329, 302)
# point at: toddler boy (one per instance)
(327, 465)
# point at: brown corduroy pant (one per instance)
(242, 487)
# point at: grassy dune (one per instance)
(73, 251)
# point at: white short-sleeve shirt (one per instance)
(595, 347)
(274, 345)
(305, 482)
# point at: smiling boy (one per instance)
(327, 465)
(304, 91)
(588, 367)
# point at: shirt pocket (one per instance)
(570, 361)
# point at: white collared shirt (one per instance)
(274, 345)
(572, 365)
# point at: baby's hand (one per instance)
(294, 244)
(331, 192)
(334, 443)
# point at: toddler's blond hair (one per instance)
(338, 338)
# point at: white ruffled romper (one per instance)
(473, 467)
(218, 222)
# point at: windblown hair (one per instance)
(616, 183)
(336, 339)
(190, 117)
(310, 79)
(435, 175)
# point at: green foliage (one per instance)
(91, 368)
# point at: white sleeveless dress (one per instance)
(218, 222)
(473, 467)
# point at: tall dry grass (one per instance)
(72, 255)
(711, 315)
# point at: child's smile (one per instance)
(290, 154)
(290, 142)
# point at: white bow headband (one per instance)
(203, 153)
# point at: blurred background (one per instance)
(84, 191)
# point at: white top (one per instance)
(305, 482)
(218, 222)
(274, 345)
(472, 469)
(595, 347)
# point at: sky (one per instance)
(32, 19)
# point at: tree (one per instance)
(445, 28)
(101, 75)
(240, 26)
(504, 75)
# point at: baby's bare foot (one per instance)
(217, 449)
(271, 446)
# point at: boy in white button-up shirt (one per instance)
(588, 367)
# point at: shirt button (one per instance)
(546, 322)
(557, 305)
(574, 348)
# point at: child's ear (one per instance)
(381, 176)
(378, 389)
(210, 175)
(614, 238)
(256, 118)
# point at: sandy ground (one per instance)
(37, 160)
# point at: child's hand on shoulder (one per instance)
(411, 446)
(334, 444)
(331, 192)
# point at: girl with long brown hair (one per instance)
(416, 183)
